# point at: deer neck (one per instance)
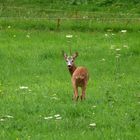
(72, 69)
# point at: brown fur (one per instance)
(79, 77)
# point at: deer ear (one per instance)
(64, 54)
(75, 55)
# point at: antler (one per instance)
(64, 54)
(75, 55)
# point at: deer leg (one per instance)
(83, 91)
(75, 92)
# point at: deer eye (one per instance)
(72, 61)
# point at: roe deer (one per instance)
(79, 75)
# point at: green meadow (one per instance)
(35, 84)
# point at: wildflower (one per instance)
(8, 116)
(118, 49)
(28, 36)
(103, 59)
(23, 87)
(123, 31)
(69, 36)
(58, 118)
(106, 35)
(1, 120)
(94, 106)
(109, 30)
(125, 46)
(92, 124)
(118, 54)
(14, 35)
(57, 115)
(47, 118)
(9, 27)
(85, 17)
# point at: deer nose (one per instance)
(69, 65)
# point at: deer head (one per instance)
(70, 59)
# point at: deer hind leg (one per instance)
(75, 88)
(83, 91)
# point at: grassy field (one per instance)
(35, 85)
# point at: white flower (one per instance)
(118, 54)
(28, 36)
(47, 118)
(123, 31)
(92, 124)
(8, 116)
(1, 120)
(118, 49)
(126, 114)
(23, 87)
(84, 17)
(109, 30)
(106, 35)
(58, 118)
(103, 59)
(9, 27)
(125, 46)
(57, 115)
(69, 36)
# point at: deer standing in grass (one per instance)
(79, 75)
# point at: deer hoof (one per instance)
(77, 98)
(82, 98)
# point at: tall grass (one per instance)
(89, 25)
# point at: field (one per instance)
(35, 85)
